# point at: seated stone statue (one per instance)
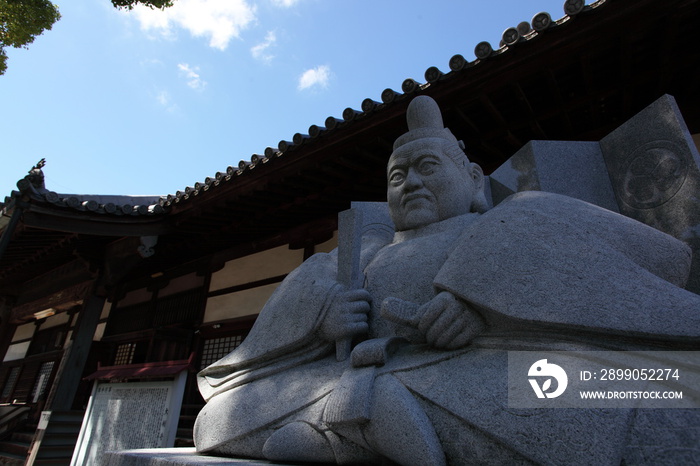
(444, 299)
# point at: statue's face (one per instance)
(425, 186)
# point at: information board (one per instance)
(125, 416)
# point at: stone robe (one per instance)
(545, 271)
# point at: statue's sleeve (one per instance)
(285, 333)
(547, 259)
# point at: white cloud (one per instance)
(151, 62)
(218, 20)
(164, 99)
(194, 80)
(285, 3)
(315, 77)
(260, 51)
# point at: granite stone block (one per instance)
(654, 167)
(575, 169)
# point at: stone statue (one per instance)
(446, 295)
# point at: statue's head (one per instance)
(429, 177)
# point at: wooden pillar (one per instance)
(71, 368)
(7, 329)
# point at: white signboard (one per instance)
(124, 416)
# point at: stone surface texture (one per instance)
(442, 302)
(655, 170)
(548, 165)
(171, 457)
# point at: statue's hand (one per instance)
(449, 323)
(347, 315)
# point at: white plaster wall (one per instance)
(266, 264)
(24, 332)
(105, 310)
(54, 321)
(99, 331)
(135, 297)
(184, 283)
(328, 246)
(239, 304)
(16, 351)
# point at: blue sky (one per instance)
(149, 102)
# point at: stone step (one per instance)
(9, 459)
(60, 439)
(23, 436)
(55, 451)
(14, 448)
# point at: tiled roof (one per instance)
(32, 186)
(511, 38)
(116, 205)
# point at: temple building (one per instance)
(104, 288)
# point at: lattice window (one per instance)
(42, 380)
(47, 340)
(125, 354)
(130, 319)
(10, 383)
(179, 308)
(217, 348)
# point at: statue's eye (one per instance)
(427, 167)
(396, 177)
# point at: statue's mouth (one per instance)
(415, 197)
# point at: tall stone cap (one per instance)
(424, 121)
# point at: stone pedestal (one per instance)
(171, 457)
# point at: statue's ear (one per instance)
(479, 202)
(477, 176)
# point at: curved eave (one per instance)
(93, 224)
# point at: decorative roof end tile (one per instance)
(271, 152)
(510, 36)
(333, 122)
(433, 74)
(389, 95)
(73, 202)
(369, 105)
(91, 205)
(483, 50)
(350, 114)
(284, 145)
(409, 86)
(52, 197)
(257, 158)
(299, 138)
(315, 131)
(574, 7)
(541, 21)
(458, 63)
(524, 28)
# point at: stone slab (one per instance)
(171, 457)
(551, 166)
(654, 167)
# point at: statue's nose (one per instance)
(413, 180)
